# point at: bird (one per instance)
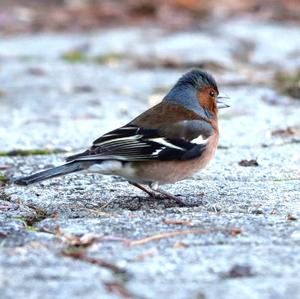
(165, 144)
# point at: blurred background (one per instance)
(24, 16)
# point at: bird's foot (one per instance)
(162, 194)
(159, 194)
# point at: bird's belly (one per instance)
(114, 167)
(148, 172)
(166, 172)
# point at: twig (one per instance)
(178, 222)
(106, 205)
(159, 236)
(95, 261)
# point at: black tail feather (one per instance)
(50, 173)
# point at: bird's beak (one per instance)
(220, 98)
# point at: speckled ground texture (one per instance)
(77, 236)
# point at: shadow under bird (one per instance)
(165, 144)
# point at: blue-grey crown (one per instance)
(185, 91)
(198, 79)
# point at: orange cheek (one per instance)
(206, 101)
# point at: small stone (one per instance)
(238, 271)
(248, 163)
(258, 212)
(83, 89)
(292, 217)
(36, 71)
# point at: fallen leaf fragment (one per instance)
(284, 132)
(235, 231)
(73, 240)
(84, 240)
(179, 245)
(148, 253)
(118, 289)
(248, 163)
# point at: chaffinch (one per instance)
(165, 144)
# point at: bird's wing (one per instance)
(181, 141)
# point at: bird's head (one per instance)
(198, 91)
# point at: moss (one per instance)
(3, 178)
(107, 58)
(26, 221)
(74, 56)
(288, 83)
(31, 228)
(31, 152)
(30, 221)
(21, 218)
(79, 56)
(74, 250)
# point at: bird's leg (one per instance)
(158, 193)
(155, 188)
(141, 187)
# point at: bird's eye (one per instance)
(212, 93)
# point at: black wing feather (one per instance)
(132, 143)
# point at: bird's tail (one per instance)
(50, 173)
